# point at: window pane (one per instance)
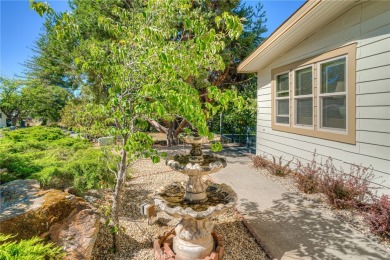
(282, 120)
(283, 107)
(282, 85)
(304, 82)
(333, 112)
(333, 76)
(304, 111)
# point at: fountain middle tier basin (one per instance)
(209, 164)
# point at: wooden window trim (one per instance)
(348, 136)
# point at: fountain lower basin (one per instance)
(194, 237)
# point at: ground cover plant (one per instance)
(277, 167)
(34, 249)
(259, 161)
(345, 189)
(307, 177)
(53, 158)
(378, 216)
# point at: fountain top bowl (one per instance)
(190, 139)
(221, 197)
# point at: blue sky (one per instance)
(20, 27)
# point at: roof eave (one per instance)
(304, 14)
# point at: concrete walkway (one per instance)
(287, 226)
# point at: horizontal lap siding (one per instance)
(368, 25)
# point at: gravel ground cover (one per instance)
(138, 236)
(352, 218)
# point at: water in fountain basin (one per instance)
(174, 195)
(185, 159)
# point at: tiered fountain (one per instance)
(195, 203)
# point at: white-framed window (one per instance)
(321, 101)
(282, 98)
(332, 94)
(303, 97)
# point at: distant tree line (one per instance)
(58, 81)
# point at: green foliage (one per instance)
(216, 147)
(144, 54)
(31, 249)
(79, 115)
(44, 102)
(237, 121)
(11, 99)
(20, 99)
(54, 159)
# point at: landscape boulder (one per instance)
(69, 221)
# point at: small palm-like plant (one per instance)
(278, 168)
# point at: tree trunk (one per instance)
(14, 121)
(171, 140)
(172, 129)
(180, 128)
(157, 126)
(116, 204)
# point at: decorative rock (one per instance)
(77, 234)
(27, 211)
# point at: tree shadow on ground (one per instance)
(103, 248)
(132, 199)
(311, 233)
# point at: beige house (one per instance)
(3, 118)
(324, 85)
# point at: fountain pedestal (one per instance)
(193, 239)
(195, 190)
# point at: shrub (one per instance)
(89, 170)
(378, 216)
(33, 248)
(54, 159)
(259, 161)
(38, 133)
(277, 167)
(307, 176)
(345, 190)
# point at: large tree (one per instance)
(253, 20)
(150, 53)
(44, 102)
(59, 61)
